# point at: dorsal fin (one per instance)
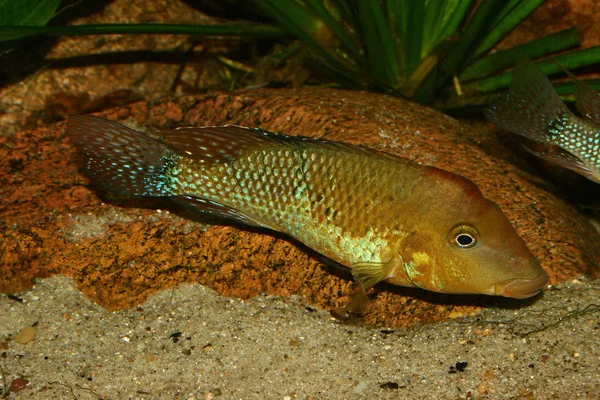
(225, 143)
(587, 99)
(530, 105)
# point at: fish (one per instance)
(383, 217)
(533, 109)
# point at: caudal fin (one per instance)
(530, 105)
(121, 160)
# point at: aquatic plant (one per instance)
(433, 51)
(436, 52)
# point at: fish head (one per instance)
(467, 245)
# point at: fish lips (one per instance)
(522, 288)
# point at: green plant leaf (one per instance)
(566, 89)
(570, 61)
(332, 20)
(241, 29)
(513, 13)
(416, 27)
(25, 12)
(536, 48)
(478, 24)
(442, 19)
(296, 18)
(380, 46)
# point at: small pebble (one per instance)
(361, 387)
(26, 335)
(18, 384)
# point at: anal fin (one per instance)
(562, 157)
(213, 208)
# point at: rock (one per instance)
(123, 251)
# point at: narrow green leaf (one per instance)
(509, 6)
(516, 11)
(536, 48)
(26, 12)
(458, 105)
(255, 30)
(398, 12)
(346, 13)
(416, 26)
(443, 18)
(571, 60)
(336, 26)
(473, 31)
(379, 43)
(566, 89)
(294, 17)
(466, 104)
(300, 21)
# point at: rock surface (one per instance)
(51, 222)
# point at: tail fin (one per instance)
(121, 160)
(530, 105)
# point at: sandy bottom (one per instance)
(191, 343)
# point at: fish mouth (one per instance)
(522, 288)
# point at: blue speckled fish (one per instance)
(533, 109)
(385, 218)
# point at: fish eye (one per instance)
(463, 237)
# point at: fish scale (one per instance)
(578, 136)
(338, 219)
(385, 218)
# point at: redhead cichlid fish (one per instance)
(385, 218)
(533, 109)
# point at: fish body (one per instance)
(385, 218)
(533, 109)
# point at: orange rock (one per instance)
(121, 252)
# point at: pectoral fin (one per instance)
(368, 274)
